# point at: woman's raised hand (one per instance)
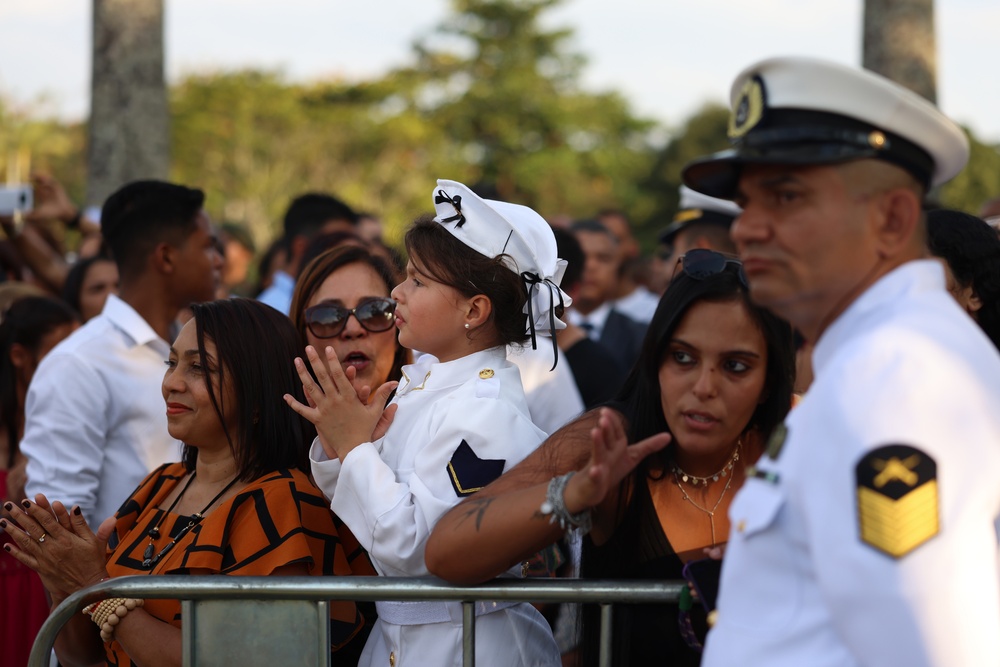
(342, 417)
(58, 545)
(611, 459)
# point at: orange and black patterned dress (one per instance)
(276, 520)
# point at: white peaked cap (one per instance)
(494, 228)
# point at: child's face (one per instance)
(430, 316)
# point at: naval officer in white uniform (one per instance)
(868, 534)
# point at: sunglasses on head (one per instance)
(327, 320)
(702, 263)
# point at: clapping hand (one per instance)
(343, 417)
(58, 545)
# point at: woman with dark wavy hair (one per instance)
(239, 503)
(713, 381)
(971, 250)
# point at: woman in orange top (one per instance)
(238, 502)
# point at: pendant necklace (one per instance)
(154, 533)
(694, 480)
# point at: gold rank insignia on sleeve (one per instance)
(897, 499)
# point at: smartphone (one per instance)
(704, 577)
(16, 198)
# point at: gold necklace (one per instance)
(695, 480)
(709, 512)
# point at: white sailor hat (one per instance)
(494, 228)
(694, 208)
(797, 110)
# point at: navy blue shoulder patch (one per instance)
(469, 473)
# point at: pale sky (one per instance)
(666, 56)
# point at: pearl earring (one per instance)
(466, 325)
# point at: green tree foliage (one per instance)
(979, 181)
(703, 133)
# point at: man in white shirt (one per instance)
(867, 533)
(95, 421)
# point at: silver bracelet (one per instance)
(554, 507)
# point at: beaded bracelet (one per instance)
(106, 614)
(554, 507)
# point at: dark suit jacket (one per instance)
(622, 336)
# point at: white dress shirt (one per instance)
(801, 583)
(279, 294)
(553, 398)
(95, 420)
(593, 322)
(640, 304)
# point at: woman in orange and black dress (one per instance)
(238, 503)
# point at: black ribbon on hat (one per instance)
(531, 281)
(456, 201)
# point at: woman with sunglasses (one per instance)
(342, 300)
(712, 383)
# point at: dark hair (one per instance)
(640, 402)
(593, 227)
(639, 397)
(77, 273)
(568, 248)
(972, 249)
(451, 262)
(26, 323)
(320, 269)
(255, 347)
(307, 213)
(142, 214)
(325, 242)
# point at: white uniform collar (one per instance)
(430, 374)
(925, 275)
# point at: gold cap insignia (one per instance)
(877, 140)
(897, 499)
(486, 374)
(749, 108)
(688, 214)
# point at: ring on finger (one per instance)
(42, 538)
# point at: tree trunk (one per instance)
(129, 119)
(899, 43)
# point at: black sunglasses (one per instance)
(702, 263)
(327, 320)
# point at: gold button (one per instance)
(712, 617)
(877, 140)
(486, 373)
(741, 526)
(392, 659)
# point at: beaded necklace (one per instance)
(149, 561)
(695, 480)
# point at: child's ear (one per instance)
(479, 310)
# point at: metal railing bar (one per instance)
(468, 633)
(604, 656)
(403, 589)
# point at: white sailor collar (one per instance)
(429, 374)
(918, 276)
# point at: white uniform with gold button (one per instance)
(871, 537)
(459, 425)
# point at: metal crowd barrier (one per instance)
(233, 620)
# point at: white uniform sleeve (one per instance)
(325, 471)
(936, 604)
(392, 519)
(65, 432)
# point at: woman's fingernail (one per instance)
(76, 510)
(8, 506)
(6, 548)
(26, 504)
(3, 523)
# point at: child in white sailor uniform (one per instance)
(481, 275)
